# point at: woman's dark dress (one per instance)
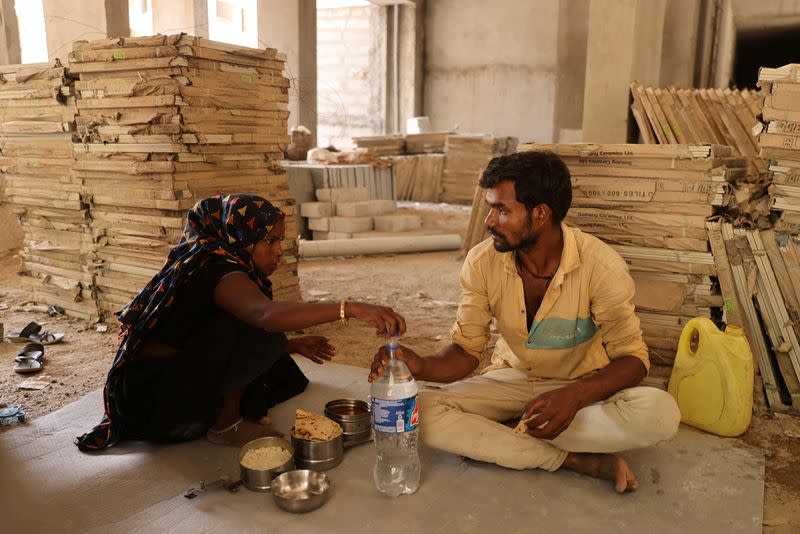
(178, 398)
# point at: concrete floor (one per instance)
(694, 483)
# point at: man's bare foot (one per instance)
(606, 466)
(241, 433)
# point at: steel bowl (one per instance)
(301, 491)
(318, 455)
(258, 479)
(355, 418)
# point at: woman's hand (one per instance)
(315, 348)
(413, 361)
(386, 321)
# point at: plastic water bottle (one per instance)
(395, 417)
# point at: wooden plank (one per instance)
(732, 306)
(776, 320)
(655, 124)
(675, 126)
(740, 258)
(703, 130)
(669, 152)
(640, 116)
(663, 122)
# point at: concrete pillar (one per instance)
(573, 32)
(66, 22)
(176, 16)
(679, 50)
(381, 63)
(291, 27)
(725, 45)
(392, 71)
(279, 27)
(117, 21)
(411, 68)
(404, 72)
(307, 68)
(10, 51)
(624, 45)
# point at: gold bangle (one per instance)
(342, 315)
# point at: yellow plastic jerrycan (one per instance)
(712, 379)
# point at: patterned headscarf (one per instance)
(218, 227)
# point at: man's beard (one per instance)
(503, 245)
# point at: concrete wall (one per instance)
(625, 38)
(504, 70)
(350, 84)
(492, 68)
(66, 22)
(176, 16)
(752, 15)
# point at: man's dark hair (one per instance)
(539, 178)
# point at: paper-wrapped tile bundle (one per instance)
(37, 121)
(650, 203)
(163, 122)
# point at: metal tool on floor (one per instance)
(222, 482)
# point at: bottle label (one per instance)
(395, 416)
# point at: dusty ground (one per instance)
(423, 287)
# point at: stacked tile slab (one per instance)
(37, 121)
(651, 203)
(348, 212)
(779, 142)
(163, 122)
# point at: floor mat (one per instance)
(694, 483)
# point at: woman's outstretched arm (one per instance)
(238, 295)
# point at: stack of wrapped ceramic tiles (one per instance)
(382, 145)
(348, 212)
(37, 120)
(650, 203)
(711, 116)
(466, 156)
(165, 121)
(780, 141)
(417, 162)
(418, 177)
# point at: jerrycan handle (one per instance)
(700, 325)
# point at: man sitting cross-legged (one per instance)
(571, 353)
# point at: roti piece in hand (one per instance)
(314, 427)
(522, 426)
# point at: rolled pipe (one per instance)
(378, 245)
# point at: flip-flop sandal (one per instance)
(46, 338)
(30, 359)
(24, 335)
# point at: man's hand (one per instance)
(549, 414)
(315, 348)
(404, 354)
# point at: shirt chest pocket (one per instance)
(555, 333)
